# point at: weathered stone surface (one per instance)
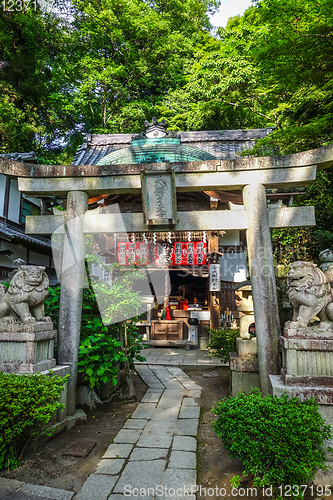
(157, 435)
(28, 289)
(144, 410)
(263, 282)
(310, 293)
(195, 393)
(190, 412)
(151, 397)
(182, 460)
(184, 443)
(247, 348)
(97, 484)
(127, 436)
(166, 414)
(149, 453)
(135, 423)
(321, 157)
(185, 181)
(323, 395)
(73, 269)
(10, 484)
(47, 493)
(141, 474)
(27, 352)
(244, 381)
(187, 427)
(180, 478)
(189, 402)
(322, 332)
(116, 450)
(110, 466)
(243, 364)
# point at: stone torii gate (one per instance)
(158, 184)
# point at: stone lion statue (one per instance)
(310, 294)
(28, 289)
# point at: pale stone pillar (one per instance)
(73, 267)
(263, 282)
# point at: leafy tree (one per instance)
(32, 109)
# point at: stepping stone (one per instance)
(135, 423)
(190, 412)
(184, 443)
(182, 460)
(144, 410)
(128, 436)
(116, 450)
(183, 479)
(166, 414)
(145, 474)
(97, 486)
(157, 435)
(44, 492)
(110, 466)
(151, 397)
(196, 393)
(189, 402)
(149, 453)
(187, 427)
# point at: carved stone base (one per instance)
(247, 348)
(27, 348)
(244, 367)
(323, 395)
(307, 357)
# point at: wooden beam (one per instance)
(216, 220)
(185, 182)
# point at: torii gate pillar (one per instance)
(262, 274)
(73, 266)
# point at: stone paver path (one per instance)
(178, 357)
(155, 452)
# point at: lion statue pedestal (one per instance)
(26, 340)
(27, 348)
(307, 351)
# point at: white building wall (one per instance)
(2, 192)
(14, 202)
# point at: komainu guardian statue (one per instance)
(28, 289)
(310, 294)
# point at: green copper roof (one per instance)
(155, 150)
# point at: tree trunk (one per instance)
(128, 373)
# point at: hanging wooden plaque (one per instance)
(159, 197)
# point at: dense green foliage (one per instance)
(114, 63)
(104, 308)
(279, 440)
(27, 403)
(223, 341)
(102, 70)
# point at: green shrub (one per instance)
(279, 440)
(27, 403)
(223, 341)
(99, 354)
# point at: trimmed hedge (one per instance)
(279, 440)
(27, 403)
